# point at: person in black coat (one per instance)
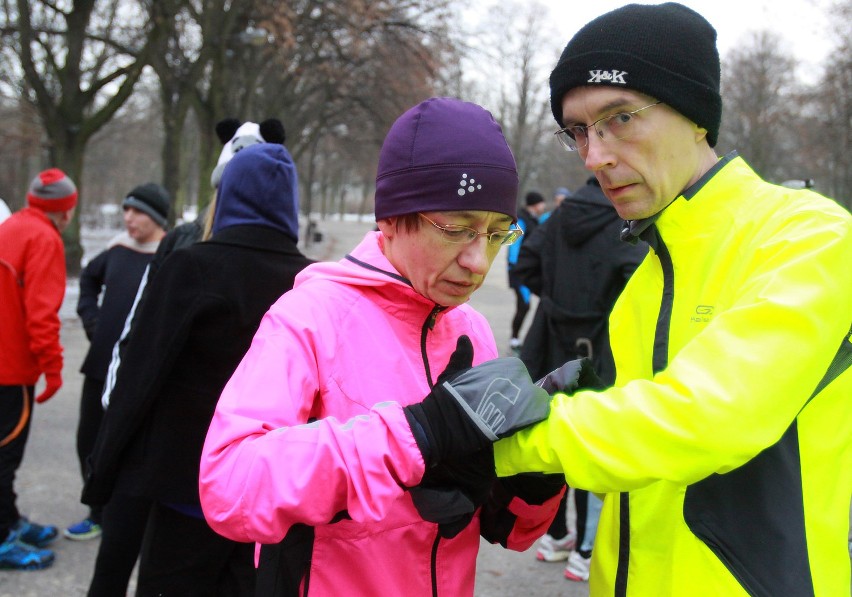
(577, 264)
(204, 306)
(107, 290)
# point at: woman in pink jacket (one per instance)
(311, 451)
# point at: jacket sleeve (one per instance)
(44, 289)
(698, 416)
(152, 351)
(91, 284)
(270, 461)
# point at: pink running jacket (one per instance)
(309, 431)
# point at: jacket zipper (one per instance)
(434, 567)
(428, 326)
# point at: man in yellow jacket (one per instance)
(724, 449)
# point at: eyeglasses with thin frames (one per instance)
(462, 235)
(616, 126)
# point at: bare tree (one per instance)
(344, 70)
(77, 67)
(827, 135)
(125, 152)
(229, 67)
(759, 91)
(786, 129)
(517, 61)
(21, 142)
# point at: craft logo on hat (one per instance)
(468, 186)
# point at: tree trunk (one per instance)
(68, 156)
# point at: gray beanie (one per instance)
(151, 199)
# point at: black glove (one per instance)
(496, 521)
(572, 376)
(534, 488)
(452, 491)
(472, 407)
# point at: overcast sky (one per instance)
(802, 23)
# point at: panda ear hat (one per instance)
(226, 129)
(272, 131)
(235, 135)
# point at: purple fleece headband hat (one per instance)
(446, 155)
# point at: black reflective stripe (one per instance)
(660, 360)
(664, 319)
(753, 519)
(841, 362)
(693, 189)
(623, 545)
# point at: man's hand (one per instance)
(53, 381)
(572, 376)
(534, 488)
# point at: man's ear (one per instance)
(61, 218)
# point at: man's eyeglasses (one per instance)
(616, 126)
(462, 235)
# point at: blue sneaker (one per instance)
(83, 531)
(35, 534)
(16, 555)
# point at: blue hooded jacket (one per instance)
(259, 187)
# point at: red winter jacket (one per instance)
(32, 286)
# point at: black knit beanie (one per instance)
(533, 198)
(667, 51)
(152, 199)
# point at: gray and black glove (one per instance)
(472, 407)
(453, 490)
(572, 376)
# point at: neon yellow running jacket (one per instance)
(725, 447)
